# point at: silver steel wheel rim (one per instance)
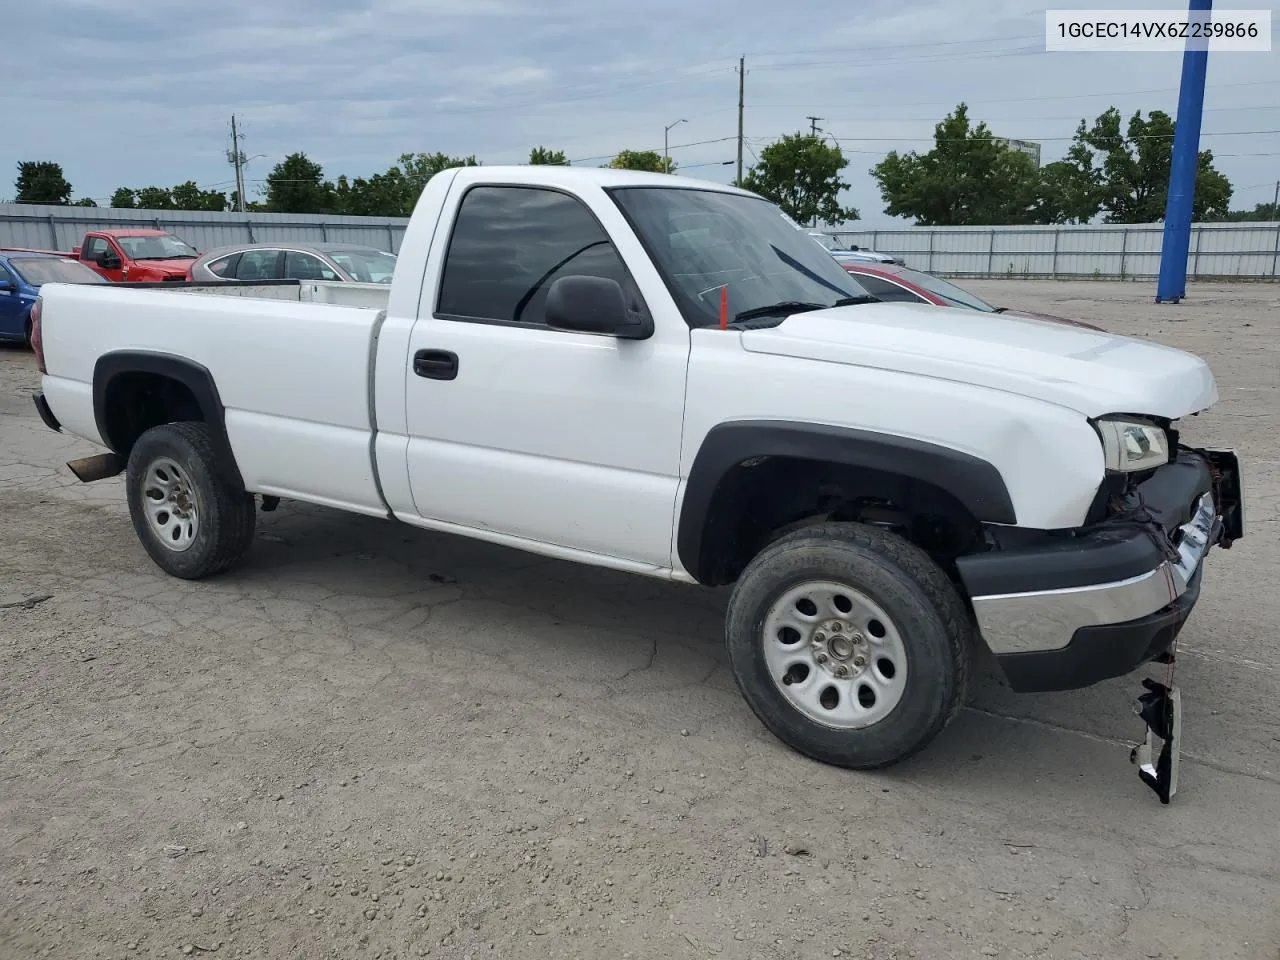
(171, 504)
(834, 654)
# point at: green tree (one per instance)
(296, 185)
(648, 160)
(1268, 212)
(1130, 167)
(124, 198)
(395, 192)
(541, 156)
(801, 174)
(154, 198)
(42, 181)
(1070, 190)
(189, 196)
(85, 202)
(968, 177)
(381, 195)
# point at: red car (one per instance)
(135, 255)
(892, 282)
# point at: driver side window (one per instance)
(510, 244)
(93, 248)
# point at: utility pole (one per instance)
(1275, 203)
(813, 132)
(742, 78)
(237, 159)
(666, 162)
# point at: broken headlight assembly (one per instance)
(1132, 445)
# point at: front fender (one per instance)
(976, 484)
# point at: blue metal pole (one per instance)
(1182, 173)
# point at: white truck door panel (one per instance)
(550, 436)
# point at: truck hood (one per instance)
(166, 266)
(1090, 371)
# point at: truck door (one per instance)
(96, 250)
(518, 430)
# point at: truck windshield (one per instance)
(365, 266)
(40, 270)
(703, 241)
(166, 247)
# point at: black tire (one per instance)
(226, 515)
(26, 331)
(909, 587)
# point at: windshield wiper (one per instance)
(784, 306)
(797, 306)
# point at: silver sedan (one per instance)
(348, 262)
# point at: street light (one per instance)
(666, 163)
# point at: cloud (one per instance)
(138, 95)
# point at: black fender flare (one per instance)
(974, 482)
(194, 376)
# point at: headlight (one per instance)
(1132, 445)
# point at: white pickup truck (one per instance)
(661, 375)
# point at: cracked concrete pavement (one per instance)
(370, 741)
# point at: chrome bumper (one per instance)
(1013, 623)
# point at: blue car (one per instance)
(21, 274)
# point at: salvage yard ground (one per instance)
(370, 741)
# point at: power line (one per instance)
(894, 46)
(1142, 136)
(1068, 96)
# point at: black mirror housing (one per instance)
(594, 305)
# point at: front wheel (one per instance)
(849, 643)
(191, 520)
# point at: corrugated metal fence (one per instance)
(1218, 250)
(61, 228)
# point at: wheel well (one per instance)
(134, 402)
(761, 499)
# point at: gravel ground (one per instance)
(370, 741)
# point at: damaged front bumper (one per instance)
(1065, 610)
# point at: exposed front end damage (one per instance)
(1065, 609)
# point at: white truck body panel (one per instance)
(338, 292)
(580, 446)
(1088, 371)
(293, 378)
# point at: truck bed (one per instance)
(293, 374)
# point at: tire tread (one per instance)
(234, 510)
(936, 590)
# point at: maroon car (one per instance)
(893, 282)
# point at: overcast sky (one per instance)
(142, 94)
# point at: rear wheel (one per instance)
(191, 520)
(849, 643)
(27, 327)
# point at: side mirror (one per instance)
(594, 305)
(108, 260)
(6, 286)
